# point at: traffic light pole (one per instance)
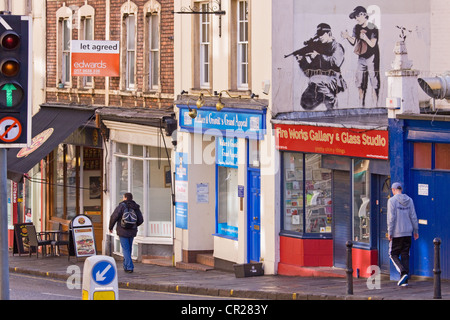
(4, 266)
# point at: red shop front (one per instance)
(334, 187)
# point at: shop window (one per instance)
(140, 170)
(361, 200)
(307, 206)
(422, 155)
(227, 217)
(442, 156)
(293, 192)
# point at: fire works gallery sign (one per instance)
(96, 58)
(330, 140)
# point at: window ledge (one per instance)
(224, 236)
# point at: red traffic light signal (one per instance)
(10, 40)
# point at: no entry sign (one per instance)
(10, 129)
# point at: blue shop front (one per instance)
(420, 159)
(217, 184)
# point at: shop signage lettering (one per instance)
(236, 123)
(329, 140)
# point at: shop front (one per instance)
(421, 144)
(217, 179)
(138, 153)
(59, 175)
(334, 188)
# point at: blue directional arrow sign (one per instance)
(103, 273)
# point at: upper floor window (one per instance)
(86, 32)
(242, 45)
(152, 45)
(64, 36)
(128, 44)
(205, 46)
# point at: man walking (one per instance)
(401, 221)
(126, 230)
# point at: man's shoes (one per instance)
(128, 271)
(403, 280)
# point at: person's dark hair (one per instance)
(128, 196)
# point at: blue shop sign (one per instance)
(250, 124)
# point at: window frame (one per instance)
(152, 54)
(126, 83)
(205, 44)
(241, 61)
(64, 18)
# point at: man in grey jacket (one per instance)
(401, 221)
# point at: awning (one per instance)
(50, 126)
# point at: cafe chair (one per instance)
(35, 240)
(61, 239)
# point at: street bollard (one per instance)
(349, 270)
(437, 269)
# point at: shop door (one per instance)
(432, 203)
(342, 231)
(254, 216)
(383, 190)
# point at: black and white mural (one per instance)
(336, 54)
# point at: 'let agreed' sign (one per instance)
(95, 58)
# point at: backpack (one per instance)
(129, 218)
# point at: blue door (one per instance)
(254, 216)
(422, 250)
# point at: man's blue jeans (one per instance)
(127, 245)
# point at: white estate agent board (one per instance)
(96, 58)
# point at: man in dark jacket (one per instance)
(126, 235)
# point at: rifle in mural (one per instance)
(313, 44)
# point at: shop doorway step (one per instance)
(204, 262)
(163, 261)
(291, 270)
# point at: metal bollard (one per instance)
(349, 270)
(437, 269)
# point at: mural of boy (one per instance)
(321, 60)
(365, 40)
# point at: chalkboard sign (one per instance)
(21, 242)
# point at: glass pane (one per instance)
(293, 192)
(227, 223)
(121, 148)
(130, 66)
(58, 190)
(66, 35)
(131, 32)
(121, 178)
(155, 69)
(422, 155)
(137, 150)
(319, 210)
(137, 182)
(155, 32)
(159, 199)
(88, 29)
(253, 153)
(442, 156)
(361, 200)
(71, 183)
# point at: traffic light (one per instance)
(436, 87)
(15, 81)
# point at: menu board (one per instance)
(83, 236)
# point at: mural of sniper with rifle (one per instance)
(320, 60)
(365, 40)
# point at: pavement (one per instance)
(225, 284)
